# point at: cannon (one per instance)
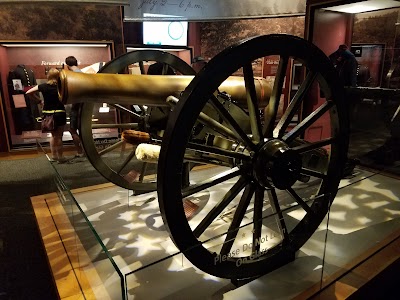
(257, 184)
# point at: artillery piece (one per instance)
(267, 184)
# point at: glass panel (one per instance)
(176, 277)
(124, 235)
(94, 267)
(294, 278)
(127, 242)
(364, 216)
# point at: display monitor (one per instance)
(168, 33)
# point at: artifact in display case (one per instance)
(25, 112)
(25, 64)
(385, 103)
(370, 63)
(19, 100)
(17, 84)
(231, 124)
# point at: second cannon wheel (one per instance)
(117, 162)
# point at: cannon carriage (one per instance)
(258, 185)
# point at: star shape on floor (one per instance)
(145, 245)
(127, 216)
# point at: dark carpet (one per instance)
(24, 269)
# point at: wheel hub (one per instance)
(276, 165)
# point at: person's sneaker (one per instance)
(62, 160)
(52, 160)
(79, 155)
(349, 166)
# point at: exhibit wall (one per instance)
(216, 36)
(61, 22)
(334, 29)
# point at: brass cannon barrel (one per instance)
(150, 90)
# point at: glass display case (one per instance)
(120, 248)
(25, 64)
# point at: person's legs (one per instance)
(53, 147)
(57, 142)
(76, 140)
(73, 129)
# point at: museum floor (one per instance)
(24, 269)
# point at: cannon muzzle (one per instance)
(150, 90)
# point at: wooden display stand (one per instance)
(355, 275)
(74, 274)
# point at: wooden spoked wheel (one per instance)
(117, 162)
(257, 209)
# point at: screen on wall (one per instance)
(169, 33)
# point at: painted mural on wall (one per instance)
(375, 27)
(379, 28)
(216, 36)
(60, 22)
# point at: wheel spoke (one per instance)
(312, 173)
(143, 171)
(237, 219)
(141, 67)
(252, 103)
(257, 217)
(300, 201)
(207, 160)
(122, 108)
(294, 105)
(312, 146)
(216, 126)
(217, 151)
(111, 148)
(164, 69)
(273, 200)
(126, 162)
(303, 125)
(216, 211)
(208, 121)
(210, 182)
(271, 110)
(232, 122)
